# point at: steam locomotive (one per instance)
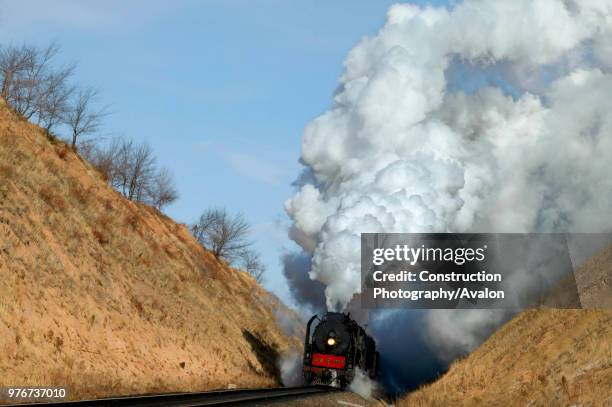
(337, 347)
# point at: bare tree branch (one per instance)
(31, 86)
(250, 261)
(81, 117)
(52, 102)
(104, 159)
(201, 229)
(14, 63)
(223, 234)
(128, 167)
(140, 172)
(162, 191)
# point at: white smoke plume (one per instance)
(290, 367)
(492, 116)
(362, 384)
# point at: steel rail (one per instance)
(210, 398)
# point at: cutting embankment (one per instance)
(107, 296)
(542, 357)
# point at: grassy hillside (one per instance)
(542, 357)
(112, 297)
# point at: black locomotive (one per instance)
(337, 347)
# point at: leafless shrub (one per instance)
(105, 159)
(225, 235)
(105, 222)
(250, 261)
(58, 342)
(63, 153)
(162, 190)
(100, 236)
(131, 169)
(133, 219)
(78, 192)
(138, 305)
(52, 198)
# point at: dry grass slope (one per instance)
(110, 297)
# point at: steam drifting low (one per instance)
(492, 116)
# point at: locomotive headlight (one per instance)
(331, 341)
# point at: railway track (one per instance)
(210, 398)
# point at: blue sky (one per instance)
(221, 89)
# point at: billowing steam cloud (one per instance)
(362, 384)
(490, 117)
(290, 368)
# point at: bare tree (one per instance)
(31, 86)
(129, 168)
(227, 237)
(14, 63)
(81, 117)
(223, 234)
(133, 170)
(202, 227)
(250, 261)
(105, 159)
(52, 102)
(162, 191)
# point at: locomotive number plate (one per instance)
(335, 362)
